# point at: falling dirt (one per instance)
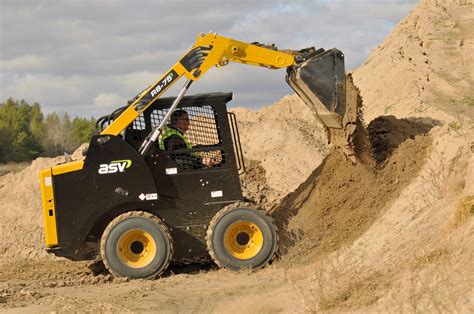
(255, 187)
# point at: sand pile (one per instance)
(282, 143)
(21, 221)
(20, 205)
(429, 57)
(340, 200)
(394, 237)
(396, 234)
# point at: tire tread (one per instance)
(221, 213)
(132, 214)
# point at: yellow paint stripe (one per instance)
(49, 212)
(68, 167)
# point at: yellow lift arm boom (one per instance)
(209, 50)
(317, 76)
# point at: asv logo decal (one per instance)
(115, 166)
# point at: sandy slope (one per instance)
(424, 67)
(282, 144)
(393, 235)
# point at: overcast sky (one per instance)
(88, 57)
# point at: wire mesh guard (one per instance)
(203, 132)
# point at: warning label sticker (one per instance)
(216, 194)
(151, 196)
(171, 171)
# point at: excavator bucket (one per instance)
(321, 82)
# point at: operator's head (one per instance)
(180, 119)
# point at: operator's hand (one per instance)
(208, 161)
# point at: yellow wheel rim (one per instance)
(136, 248)
(243, 239)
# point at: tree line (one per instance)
(26, 133)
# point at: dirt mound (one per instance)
(20, 204)
(286, 141)
(21, 221)
(425, 67)
(386, 133)
(255, 187)
(340, 200)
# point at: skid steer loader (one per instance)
(135, 204)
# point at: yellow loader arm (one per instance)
(317, 76)
(208, 51)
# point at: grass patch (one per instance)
(387, 109)
(464, 209)
(466, 101)
(455, 126)
(420, 109)
(12, 167)
(450, 35)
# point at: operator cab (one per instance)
(213, 134)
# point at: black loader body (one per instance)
(116, 179)
(143, 203)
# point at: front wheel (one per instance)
(136, 244)
(241, 238)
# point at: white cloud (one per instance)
(108, 100)
(65, 54)
(25, 62)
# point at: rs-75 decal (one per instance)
(167, 80)
(156, 90)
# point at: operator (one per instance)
(173, 138)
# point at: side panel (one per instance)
(186, 204)
(189, 198)
(112, 180)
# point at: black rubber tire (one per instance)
(217, 229)
(131, 221)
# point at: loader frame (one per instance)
(125, 171)
(186, 200)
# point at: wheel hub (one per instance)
(136, 248)
(243, 239)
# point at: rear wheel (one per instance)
(136, 245)
(241, 238)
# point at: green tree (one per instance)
(63, 135)
(82, 130)
(26, 134)
(4, 144)
(52, 140)
(37, 126)
(17, 141)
